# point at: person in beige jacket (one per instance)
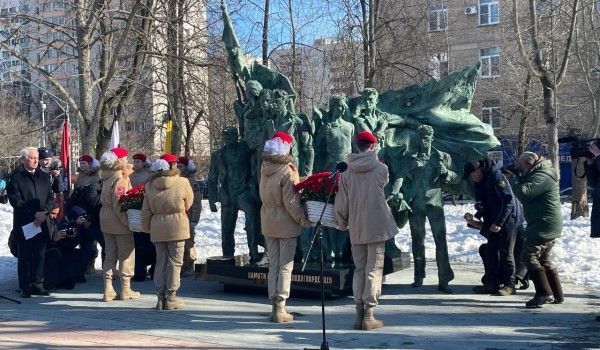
(118, 238)
(188, 170)
(360, 206)
(282, 219)
(87, 171)
(168, 197)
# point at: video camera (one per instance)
(510, 169)
(55, 165)
(71, 231)
(579, 146)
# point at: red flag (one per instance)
(64, 158)
(65, 153)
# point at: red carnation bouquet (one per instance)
(132, 199)
(317, 187)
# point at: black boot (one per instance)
(554, 282)
(543, 292)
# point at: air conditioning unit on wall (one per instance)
(471, 10)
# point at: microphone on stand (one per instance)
(339, 168)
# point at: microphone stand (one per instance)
(319, 233)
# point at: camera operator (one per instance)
(592, 172)
(52, 167)
(67, 253)
(501, 216)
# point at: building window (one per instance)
(490, 113)
(438, 65)
(438, 17)
(490, 62)
(488, 12)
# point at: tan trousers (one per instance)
(366, 283)
(119, 248)
(281, 264)
(190, 246)
(169, 258)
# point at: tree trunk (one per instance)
(265, 35)
(525, 114)
(579, 192)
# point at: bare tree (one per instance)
(543, 58)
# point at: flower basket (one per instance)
(314, 209)
(134, 217)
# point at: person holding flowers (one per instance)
(168, 198)
(118, 238)
(282, 218)
(145, 253)
(360, 206)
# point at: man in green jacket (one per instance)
(536, 186)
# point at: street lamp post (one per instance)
(43, 106)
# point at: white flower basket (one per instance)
(314, 209)
(134, 217)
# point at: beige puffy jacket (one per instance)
(360, 204)
(281, 214)
(87, 177)
(114, 184)
(168, 197)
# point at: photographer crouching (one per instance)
(68, 251)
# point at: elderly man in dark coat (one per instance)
(30, 194)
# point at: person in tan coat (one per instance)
(168, 197)
(118, 238)
(188, 170)
(360, 206)
(282, 219)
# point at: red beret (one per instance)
(183, 160)
(140, 157)
(366, 136)
(169, 158)
(86, 158)
(120, 152)
(284, 137)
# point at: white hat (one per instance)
(108, 157)
(277, 146)
(160, 165)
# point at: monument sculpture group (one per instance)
(425, 133)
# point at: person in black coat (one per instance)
(592, 172)
(52, 168)
(501, 215)
(67, 254)
(30, 194)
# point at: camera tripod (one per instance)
(10, 299)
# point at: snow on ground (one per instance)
(575, 253)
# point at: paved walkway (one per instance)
(415, 318)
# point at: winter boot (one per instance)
(172, 303)
(281, 315)
(369, 321)
(109, 291)
(360, 314)
(160, 304)
(126, 291)
(506, 291)
(485, 289)
(543, 292)
(554, 282)
(187, 270)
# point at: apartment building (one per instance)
(44, 33)
(325, 68)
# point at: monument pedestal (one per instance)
(238, 276)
